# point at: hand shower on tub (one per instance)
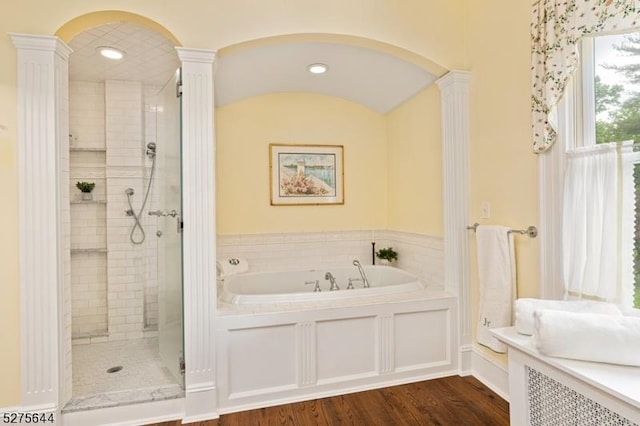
(365, 281)
(151, 153)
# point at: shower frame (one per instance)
(43, 165)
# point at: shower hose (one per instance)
(137, 217)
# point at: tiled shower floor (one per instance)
(142, 378)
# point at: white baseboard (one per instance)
(491, 373)
(128, 415)
(327, 393)
(466, 360)
(201, 404)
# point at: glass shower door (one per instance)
(170, 305)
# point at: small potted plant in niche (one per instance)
(387, 255)
(86, 188)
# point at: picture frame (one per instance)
(306, 174)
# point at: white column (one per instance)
(42, 137)
(199, 237)
(455, 148)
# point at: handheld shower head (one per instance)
(128, 191)
(151, 149)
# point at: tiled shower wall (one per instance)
(419, 254)
(127, 166)
(114, 290)
(88, 233)
(152, 125)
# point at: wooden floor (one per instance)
(449, 401)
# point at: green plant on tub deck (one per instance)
(86, 188)
(388, 254)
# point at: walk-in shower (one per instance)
(151, 153)
(124, 313)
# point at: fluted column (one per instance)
(42, 138)
(199, 235)
(455, 147)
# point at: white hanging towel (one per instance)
(497, 276)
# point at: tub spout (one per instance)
(362, 274)
(332, 280)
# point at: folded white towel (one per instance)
(588, 337)
(497, 278)
(524, 309)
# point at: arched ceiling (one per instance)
(149, 56)
(374, 78)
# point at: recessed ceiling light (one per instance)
(110, 52)
(318, 68)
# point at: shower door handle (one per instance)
(172, 213)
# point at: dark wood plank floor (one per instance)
(448, 401)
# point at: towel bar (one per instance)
(531, 231)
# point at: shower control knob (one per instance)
(158, 233)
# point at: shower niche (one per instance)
(114, 287)
(88, 245)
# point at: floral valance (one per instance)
(556, 28)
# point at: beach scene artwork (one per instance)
(310, 175)
(306, 174)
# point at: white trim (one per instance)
(493, 374)
(550, 183)
(42, 67)
(551, 165)
(585, 98)
(342, 391)
(128, 415)
(466, 360)
(455, 151)
(199, 234)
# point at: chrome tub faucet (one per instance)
(356, 262)
(332, 280)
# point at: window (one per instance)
(605, 121)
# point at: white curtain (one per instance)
(556, 28)
(596, 228)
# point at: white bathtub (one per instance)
(289, 286)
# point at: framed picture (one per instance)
(306, 174)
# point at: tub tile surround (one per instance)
(419, 254)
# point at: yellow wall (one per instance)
(9, 287)
(503, 169)
(415, 165)
(244, 131)
(435, 30)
